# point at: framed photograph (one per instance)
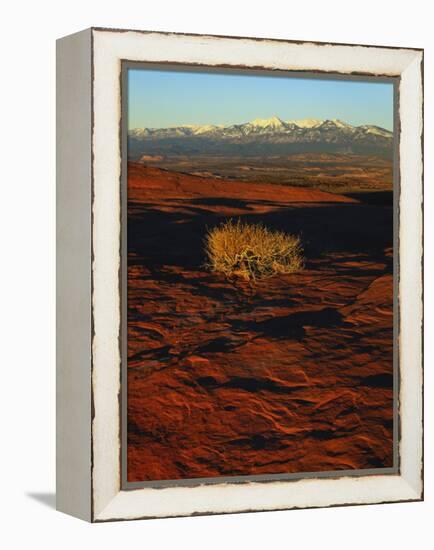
(239, 264)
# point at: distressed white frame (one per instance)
(108, 501)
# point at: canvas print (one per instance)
(259, 273)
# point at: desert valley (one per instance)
(288, 374)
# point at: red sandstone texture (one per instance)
(291, 375)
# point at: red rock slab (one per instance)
(291, 375)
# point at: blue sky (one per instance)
(158, 99)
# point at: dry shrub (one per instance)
(252, 251)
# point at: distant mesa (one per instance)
(151, 158)
(260, 136)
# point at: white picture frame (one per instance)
(88, 274)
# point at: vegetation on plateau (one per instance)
(252, 251)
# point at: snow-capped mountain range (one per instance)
(262, 136)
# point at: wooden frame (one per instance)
(88, 267)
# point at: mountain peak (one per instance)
(341, 123)
(262, 136)
(273, 122)
(337, 123)
(306, 122)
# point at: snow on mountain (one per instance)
(138, 132)
(341, 124)
(198, 130)
(274, 122)
(375, 130)
(261, 136)
(306, 122)
(273, 125)
(333, 124)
